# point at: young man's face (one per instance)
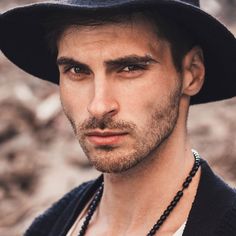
(120, 90)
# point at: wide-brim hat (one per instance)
(22, 38)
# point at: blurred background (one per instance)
(40, 159)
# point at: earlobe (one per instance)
(193, 71)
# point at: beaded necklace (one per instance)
(166, 213)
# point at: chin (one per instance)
(114, 161)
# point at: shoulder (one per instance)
(228, 224)
(42, 225)
(214, 207)
(213, 185)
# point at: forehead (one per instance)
(138, 31)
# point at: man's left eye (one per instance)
(131, 68)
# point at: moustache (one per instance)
(106, 123)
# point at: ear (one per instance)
(193, 71)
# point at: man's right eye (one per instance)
(76, 70)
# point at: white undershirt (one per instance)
(180, 231)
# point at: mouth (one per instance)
(101, 138)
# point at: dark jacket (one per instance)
(213, 212)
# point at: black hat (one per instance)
(23, 33)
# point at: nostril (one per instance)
(102, 108)
(112, 112)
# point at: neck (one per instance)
(143, 193)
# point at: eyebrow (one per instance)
(119, 62)
(69, 61)
(129, 60)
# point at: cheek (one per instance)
(138, 104)
(141, 100)
(143, 93)
(74, 101)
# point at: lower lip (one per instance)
(105, 140)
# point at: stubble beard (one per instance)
(147, 140)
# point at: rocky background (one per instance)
(39, 157)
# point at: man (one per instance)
(128, 71)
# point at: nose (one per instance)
(103, 102)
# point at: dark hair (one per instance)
(180, 40)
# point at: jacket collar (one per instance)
(213, 200)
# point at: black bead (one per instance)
(166, 212)
(81, 232)
(177, 198)
(173, 203)
(195, 168)
(180, 193)
(156, 226)
(170, 208)
(153, 231)
(163, 217)
(160, 222)
(192, 173)
(186, 184)
(189, 179)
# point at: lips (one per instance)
(105, 137)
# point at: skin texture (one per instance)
(130, 119)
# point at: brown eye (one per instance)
(132, 71)
(133, 68)
(76, 70)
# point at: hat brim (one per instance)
(23, 41)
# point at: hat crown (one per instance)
(192, 2)
(104, 2)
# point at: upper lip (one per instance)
(105, 133)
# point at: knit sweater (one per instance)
(213, 212)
